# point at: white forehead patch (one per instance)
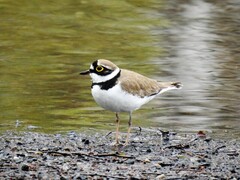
(91, 67)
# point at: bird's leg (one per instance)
(117, 130)
(129, 127)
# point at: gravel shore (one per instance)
(151, 154)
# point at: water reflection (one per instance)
(209, 98)
(45, 46)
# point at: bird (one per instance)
(121, 90)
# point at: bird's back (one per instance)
(137, 84)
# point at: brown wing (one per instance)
(138, 84)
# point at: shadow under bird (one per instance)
(121, 90)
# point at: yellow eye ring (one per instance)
(99, 68)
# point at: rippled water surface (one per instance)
(44, 46)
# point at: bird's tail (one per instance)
(177, 85)
(166, 86)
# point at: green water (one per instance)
(45, 44)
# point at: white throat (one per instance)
(97, 78)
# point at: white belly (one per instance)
(117, 100)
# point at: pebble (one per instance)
(159, 177)
(65, 167)
(146, 160)
(25, 167)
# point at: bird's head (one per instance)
(101, 70)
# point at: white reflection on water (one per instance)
(194, 60)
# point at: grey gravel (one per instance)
(28, 155)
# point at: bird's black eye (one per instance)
(99, 68)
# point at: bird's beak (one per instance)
(85, 72)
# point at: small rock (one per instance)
(157, 165)
(68, 148)
(201, 135)
(63, 178)
(130, 161)
(162, 176)
(149, 150)
(65, 167)
(17, 159)
(86, 141)
(146, 160)
(25, 167)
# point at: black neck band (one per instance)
(109, 83)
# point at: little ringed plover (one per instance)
(121, 90)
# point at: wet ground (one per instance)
(152, 154)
